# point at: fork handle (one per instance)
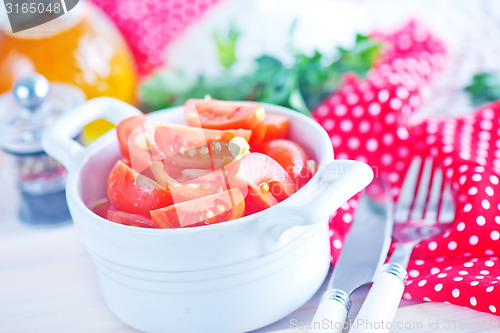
(379, 308)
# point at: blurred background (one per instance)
(155, 53)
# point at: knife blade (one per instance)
(364, 251)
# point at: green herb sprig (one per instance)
(300, 86)
(485, 88)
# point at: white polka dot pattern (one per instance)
(367, 121)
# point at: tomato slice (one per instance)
(276, 127)
(185, 147)
(291, 157)
(194, 183)
(101, 208)
(130, 219)
(215, 208)
(171, 138)
(136, 142)
(125, 129)
(133, 193)
(262, 180)
(193, 188)
(223, 115)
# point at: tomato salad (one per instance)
(230, 161)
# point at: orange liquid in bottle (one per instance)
(83, 48)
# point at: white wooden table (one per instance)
(48, 284)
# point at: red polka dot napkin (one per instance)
(367, 121)
(149, 25)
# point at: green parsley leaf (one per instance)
(361, 58)
(226, 46)
(485, 88)
(165, 88)
(300, 86)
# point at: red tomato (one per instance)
(262, 179)
(132, 193)
(196, 187)
(215, 114)
(194, 183)
(136, 142)
(276, 127)
(191, 147)
(178, 174)
(130, 219)
(123, 131)
(290, 156)
(101, 208)
(215, 208)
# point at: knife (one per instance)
(364, 251)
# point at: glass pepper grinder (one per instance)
(24, 113)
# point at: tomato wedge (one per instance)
(133, 193)
(136, 142)
(223, 115)
(125, 129)
(276, 127)
(193, 184)
(231, 160)
(193, 188)
(130, 219)
(215, 208)
(291, 157)
(262, 179)
(101, 208)
(193, 148)
(171, 138)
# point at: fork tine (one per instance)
(447, 210)
(407, 195)
(431, 211)
(417, 212)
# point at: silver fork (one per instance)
(425, 208)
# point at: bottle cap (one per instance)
(29, 108)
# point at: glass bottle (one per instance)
(25, 112)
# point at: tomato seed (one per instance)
(264, 187)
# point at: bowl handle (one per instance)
(338, 181)
(58, 140)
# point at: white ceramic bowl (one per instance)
(234, 276)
